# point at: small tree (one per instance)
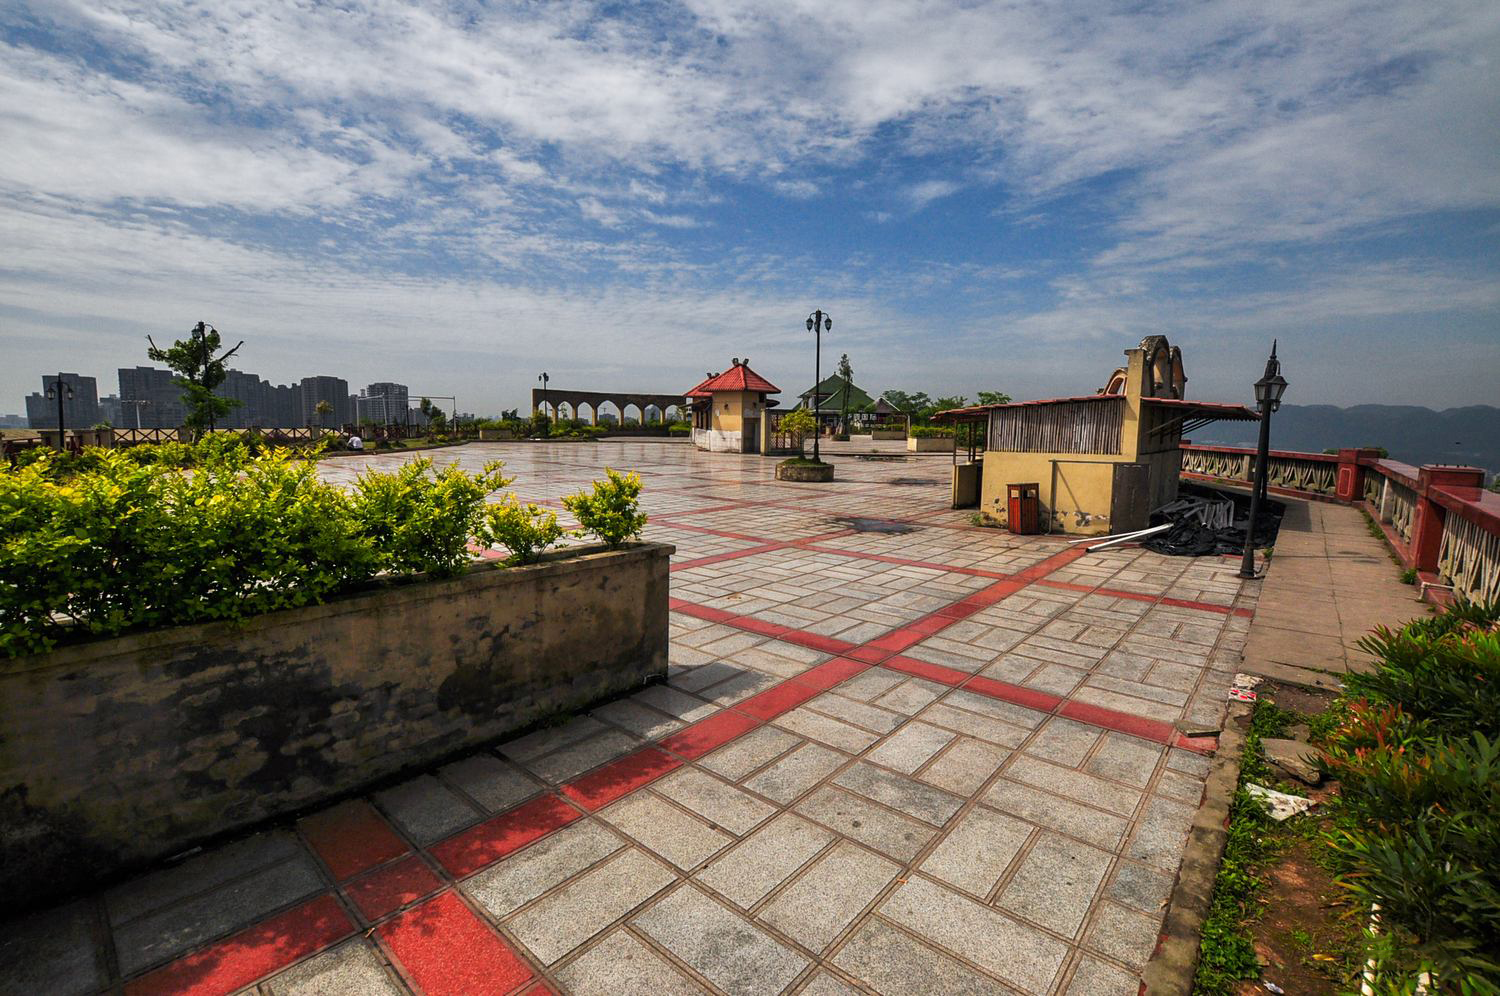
(199, 371)
(324, 409)
(799, 422)
(994, 398)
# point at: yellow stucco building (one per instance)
(730, 410)
(1102, 462)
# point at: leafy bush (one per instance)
(679, 429)
(612, 511)
(419, 521)
(118, 542)
(929, 431)
(121, 545)
(1417, 754)
(526, 530)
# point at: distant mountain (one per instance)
(1411, 434)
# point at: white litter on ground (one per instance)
(1281, 805)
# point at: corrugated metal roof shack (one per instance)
(1102, 461)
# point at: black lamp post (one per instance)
(1268, 392)
(544, 378)
(62, 392)
(817, 323)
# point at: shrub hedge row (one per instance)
(120, 541)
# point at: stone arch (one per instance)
(625, 416)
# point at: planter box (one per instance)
(495, 435)
(124, 750)
(805, 474)
(929, 444)
(888, 434)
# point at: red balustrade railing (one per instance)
(1438, 519)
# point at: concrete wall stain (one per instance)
(121, 751)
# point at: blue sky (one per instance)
(984, 196)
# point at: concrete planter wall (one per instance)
(495, 435)
(804, 473)
(120, 751)
(929, 444)
(888, 434)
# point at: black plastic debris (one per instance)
(1208, 521)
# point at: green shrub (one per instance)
(679, 429)
(526, 530)
(612, 511)
(1417, 754)
(929, 431)
(421, 521)
(1409, 576)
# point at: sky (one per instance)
(459, 196)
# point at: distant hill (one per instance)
(1411, 434)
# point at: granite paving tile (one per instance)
(1095, 826)
(1055, 884)
(977, 850)
(833, 732)
(1123, 934)
(893, 834)
(510, 884)
(353, 968)
(663, 828)
(910, 747)
(490, 782)
(891, 961)
(53, 953)
(620, 965)
(794, 774)
(714, 800)
(1005, 947)
(1096, 978)
(1125, 759)
(753, 750)
(907, 795)
(727, 949)
(828, 896)
(748, 872)
(640, 721)
(199, 874)
(576, 758)
(588, 904)
(965, 766)
(1075, 785)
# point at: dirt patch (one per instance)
(1306, 938)
(1307, 701)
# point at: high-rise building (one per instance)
(150, 394)
(385, 402)
(81, 411)
(335, 391)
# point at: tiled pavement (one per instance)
(939, 760)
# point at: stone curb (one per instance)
(1170, 971)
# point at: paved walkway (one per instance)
(938, 759)
(1330, 583)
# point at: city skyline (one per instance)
(985, 197)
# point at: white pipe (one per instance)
(1128, 538)
(1096, 539)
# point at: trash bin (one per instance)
(1024, 507)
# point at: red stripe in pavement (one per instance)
(474, 848)
(708, 735)
(869, 653)
(1123, 722)
(932, 672)
(717, 558)
(251, 954)
(540, 989)
(448, 951)
(772, 702)
(1017, 694)
(620, 777)
(816, 641)
(995, 593)
(830, 673)
(753, 625)
(1136, 596)
(1201, 745)
(700, 611)
(392, 887)
(1227, 610)
(1055, 562)
(927, 564)
(351, 837)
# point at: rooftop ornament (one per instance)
(1268, 392)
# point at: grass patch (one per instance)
(1227, 952)
(803, 462)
